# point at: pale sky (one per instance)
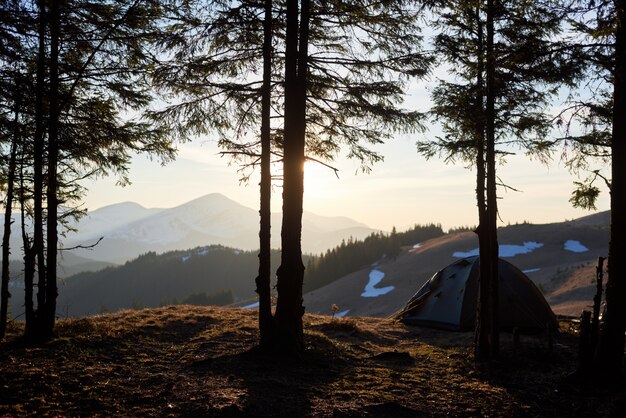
(403, 190)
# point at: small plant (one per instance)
(334, 308)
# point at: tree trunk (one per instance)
(38, 153)
(491, 230)
(263, 282)
(483, 307)
(29, 263)
(612, 341)
(289, 309)
(6, 251)
(52, 186)
(487, 340)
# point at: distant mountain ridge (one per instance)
(558, 257)
(129, 230)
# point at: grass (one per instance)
(197, 361)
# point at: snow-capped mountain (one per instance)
(100, 222)
(129, 229)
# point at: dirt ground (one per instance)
(197, 361)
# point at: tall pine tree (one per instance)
(595, 138)
(90, 65)
(506, 63)
(352, 61)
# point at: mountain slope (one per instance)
(153, 279)
(558, 257)
(99, 222)
(211, 219)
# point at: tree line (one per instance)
(151, 279)
(353, 255)
(295, 80)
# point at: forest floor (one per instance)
(197, 361)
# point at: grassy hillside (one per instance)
(352, 255)
(566, 277)
(192, 361)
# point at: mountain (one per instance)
(87, 230)
(153, 279)
(559, 257)
(129, 230)
(99, 222)
(71, 264)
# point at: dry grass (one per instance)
(195, 361)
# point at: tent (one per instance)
(448, 300)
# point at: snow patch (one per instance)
(370, 290)
(513, 250)
(574, 246)
(530, 270)
(185, 258)
(419, 244)
(203, 251)
(252, 305)
(342, 313)
(464, 254)
(505, 250)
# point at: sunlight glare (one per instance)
(317, 179)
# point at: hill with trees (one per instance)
(195, 276)
(354, 254)
(216, 274)
(85, 86)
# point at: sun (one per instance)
(317, 179)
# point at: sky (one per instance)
(403, 190)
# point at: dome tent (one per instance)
(448, 300)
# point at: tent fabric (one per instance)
(448, 300)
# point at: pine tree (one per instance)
(263, 280)
(505, 66)
(8, 207)
(90, 65)
(13, 86)
(598, 143)
(349, 98)
(612, 342)
(290, 275)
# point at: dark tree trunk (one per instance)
(491, 229)
(6, 250)
(38, 153)
(29, 262)
(612, 341)
(289, 309)
(263, 282)
(487, 340)
(52, 187)
(483, 310)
